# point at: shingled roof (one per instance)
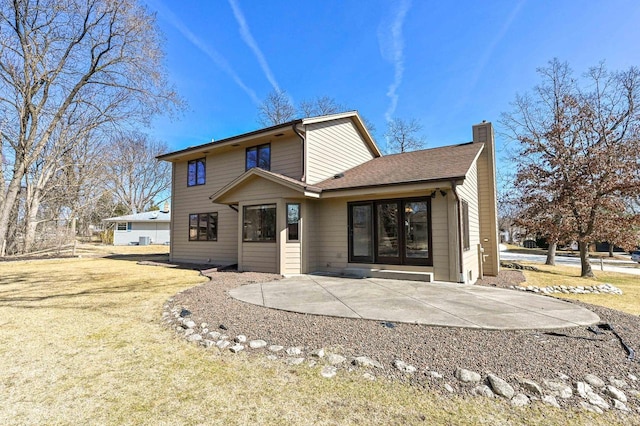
(435, 164)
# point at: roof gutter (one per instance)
(459, 231)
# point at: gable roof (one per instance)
(153, 216)
(287, 181)
(435, 164)
(275, 131)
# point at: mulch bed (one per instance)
(531, 354)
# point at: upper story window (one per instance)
(259, 156)
(196, 172)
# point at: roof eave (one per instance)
(227, 141)
(445, 183)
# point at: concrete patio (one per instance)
(438, 304)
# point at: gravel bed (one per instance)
(530, 354)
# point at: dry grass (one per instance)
(566, 275)
(82, 344)
(105, 250)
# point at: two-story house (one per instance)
(317, 195)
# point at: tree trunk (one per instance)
(611, 246)
(7, 208)
(586, 271)
(551, 254)
(31, 220)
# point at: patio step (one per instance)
(388, 274)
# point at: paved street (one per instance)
(613, 265)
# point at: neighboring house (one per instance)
(153, 227)
(317, 195)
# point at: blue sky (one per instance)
(449, 64)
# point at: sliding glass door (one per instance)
(390, 232)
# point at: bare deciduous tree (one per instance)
(321, 105)
(508, 210)
(276, 109)
(44, 181)
(578, 156)
(134, 175)
(404, 135)
(99, 60)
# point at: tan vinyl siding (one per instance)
(220, 169)
(292, 258)
(469, 193)
(487, 207)
(333, 147)
(221, 252)
(279, 256)
(311, 235)
(286, 157)
(258, 190)
(330, 246)
(172, 223)
(260, 257)
(440, 237)
(483, 133)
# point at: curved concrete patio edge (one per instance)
(435, 303)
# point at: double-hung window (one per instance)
(203, 227)
(196, 172)
(258, 156)
(293, 222)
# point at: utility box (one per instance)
(144, 241)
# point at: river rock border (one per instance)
(605, 288)
(591, 393)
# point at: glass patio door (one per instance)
(394, 232)
(361, 232)
(388, 242)
(416, 232)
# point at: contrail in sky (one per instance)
(212, 53)
(245, 32)
(392, 49)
